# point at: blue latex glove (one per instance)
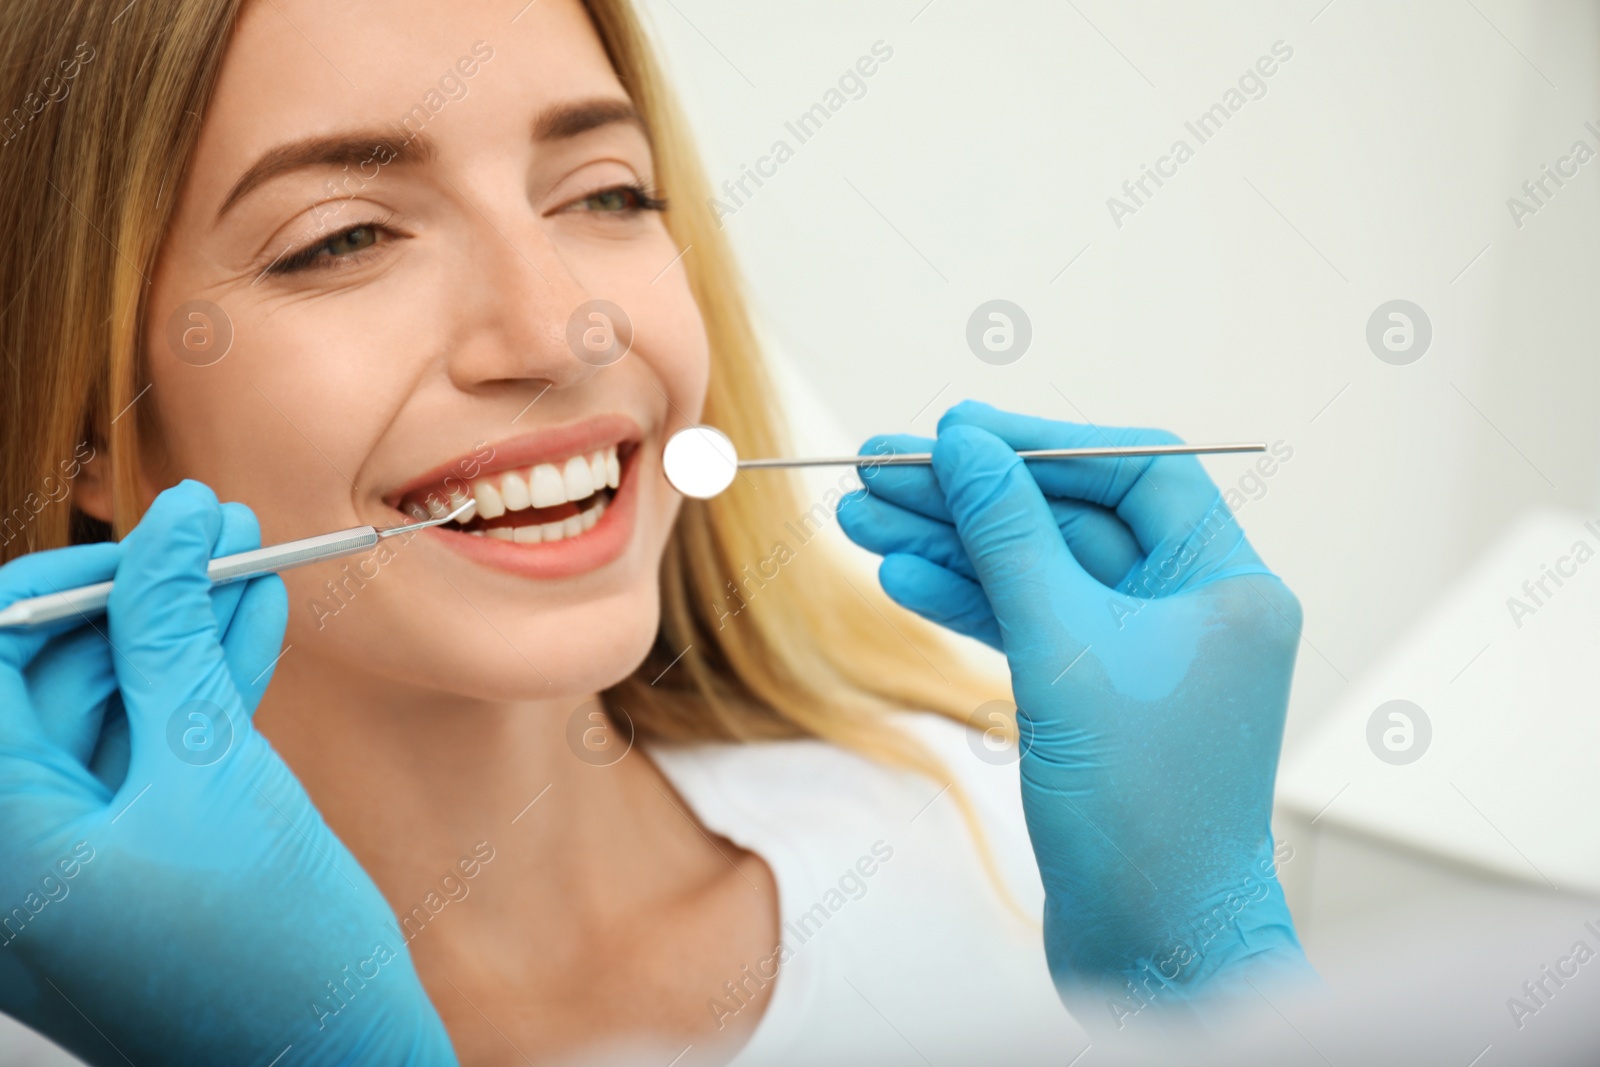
(1151, 653)
(170, 893)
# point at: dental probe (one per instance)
(89, 599)
(701, 462)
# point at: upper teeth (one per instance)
(540, 486)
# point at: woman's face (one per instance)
(401, 211)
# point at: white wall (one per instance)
(1234, 303)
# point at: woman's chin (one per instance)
(566, 655)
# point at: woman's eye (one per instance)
(621, 200)
(341, 245)
(351, 241)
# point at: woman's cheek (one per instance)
(684, 364)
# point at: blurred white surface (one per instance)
(21, 1047)
(1492, 763)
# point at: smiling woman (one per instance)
(505, 320)
(399, 279)
(102, 373)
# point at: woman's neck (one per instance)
(415, 782)
(570, 901)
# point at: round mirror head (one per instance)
(700, 461)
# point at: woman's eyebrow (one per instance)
(332, 150)
(571, 118)
(557, 122)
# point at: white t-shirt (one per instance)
(918, 962)
(900, 950)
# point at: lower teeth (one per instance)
(539, 533)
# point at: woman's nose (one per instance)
(526, 317)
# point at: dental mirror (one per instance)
(701, 462)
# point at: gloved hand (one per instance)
(170, 895)
(1150, 652)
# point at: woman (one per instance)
(595, 770)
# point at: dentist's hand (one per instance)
(1151, 653)
(168, 894)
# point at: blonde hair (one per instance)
(87, 184)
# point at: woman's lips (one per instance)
(556, 502)
(599, 542)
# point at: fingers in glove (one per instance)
(38, 574)
(1033, 582)
(1165, 500)
(253, 642)
(1097, 538)
(940, 596)
(70, 682)
(905, 511)
(251, 616)
(910, 486)
(163, 628)
(879, 526)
